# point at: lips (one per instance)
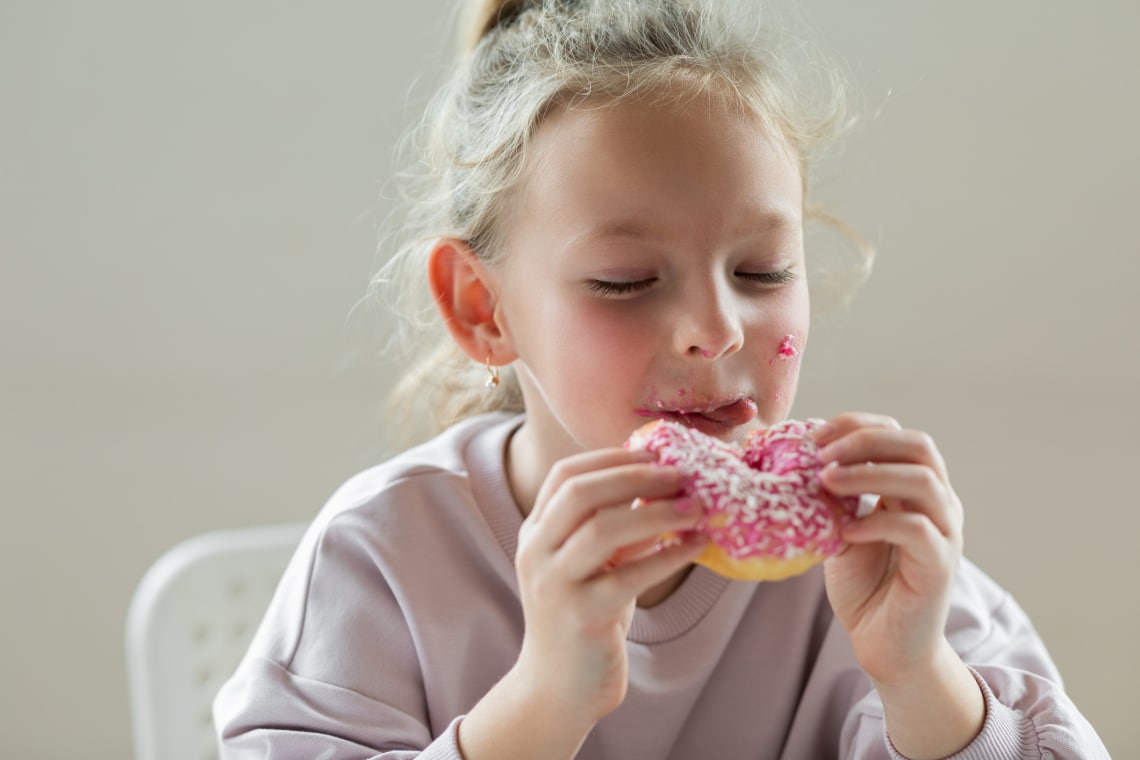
(714, 418)
(739, 412)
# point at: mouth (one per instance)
(715, 418)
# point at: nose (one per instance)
(708, 324)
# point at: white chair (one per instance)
(189, 623)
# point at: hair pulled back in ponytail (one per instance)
(520, 58)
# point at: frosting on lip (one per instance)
(738, 412)
(725, 414)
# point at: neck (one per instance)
(525, 468)
(529, 460)
(651, 597)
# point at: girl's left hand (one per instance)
(890, 588)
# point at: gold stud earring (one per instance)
(492, 375)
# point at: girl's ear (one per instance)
(466, 294)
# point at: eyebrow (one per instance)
(620, 228)
(758, 224)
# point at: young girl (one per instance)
(618, 220)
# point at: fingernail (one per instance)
(684, 505)
(823, 432)
(829, 454)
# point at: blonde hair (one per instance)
(519, 58)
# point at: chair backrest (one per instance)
(189, 623)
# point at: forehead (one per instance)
(643, 167)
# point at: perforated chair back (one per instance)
(189, 623)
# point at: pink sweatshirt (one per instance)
(400, 610)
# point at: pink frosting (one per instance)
(761, 499)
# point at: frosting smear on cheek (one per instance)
(786, 351)
(788, 348)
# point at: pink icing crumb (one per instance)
(788, 348)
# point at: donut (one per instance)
(767, 515)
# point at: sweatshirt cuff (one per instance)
(446, 745)
(1005, 732)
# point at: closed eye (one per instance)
(781, 277)
(607, 288)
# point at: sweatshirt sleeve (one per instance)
(332, 671)
(265, 711)
(1028, 714)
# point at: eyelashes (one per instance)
(608, 288)
(782, 277)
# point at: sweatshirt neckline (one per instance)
(486, 467)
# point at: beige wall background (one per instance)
(189, 197)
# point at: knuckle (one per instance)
(866, 420)
(929, 482)
(573, 489)
(879, 421)
(845, 421)
(925, 530)
(562, 471)
(950, 552)
(922, 442)
(523, 558)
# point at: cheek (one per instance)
(604, 341)
(781, 372)
(578, 340)
(780, 351)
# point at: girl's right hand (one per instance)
(584, 557)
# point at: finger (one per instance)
(647, 546)
(632, 552)
(635, 578)
(848, 422)
(917, 487)
(578, 464)
(917, 537)
(614, 536)
(582, 496)
(885, 445)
